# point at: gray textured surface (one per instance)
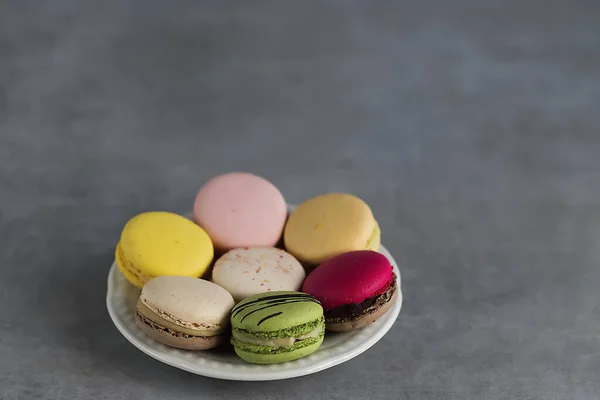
(472, 129)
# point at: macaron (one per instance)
(161, 243)
(276, 327)
(354, 288)
(328, 225)
(184, 312)
(251, 270)
(240, 209)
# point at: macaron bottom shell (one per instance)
(134, 276)
(166, 332)
(179, 340)
(367, 316)
(277, 357)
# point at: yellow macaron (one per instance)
(328, 225)
(161, 243)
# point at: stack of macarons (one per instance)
(243, 268)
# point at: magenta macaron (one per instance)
(355, 289)
(240, 210)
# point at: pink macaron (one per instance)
(240, 209)
(354, 288)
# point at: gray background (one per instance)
(471, 128)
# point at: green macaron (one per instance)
(276, 327)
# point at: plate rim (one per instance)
(271, 374)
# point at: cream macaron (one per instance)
(328, 225)
(247, 271)
(184, 312)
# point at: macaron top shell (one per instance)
(240, 209)
(274, 311)
(163, 243)
(348, 278)
(328, 225)
(247, 271)
(188, 302)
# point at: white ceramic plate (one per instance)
(337, 348)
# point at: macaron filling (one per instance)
(375, 238)
(124, 263)
(275, 342)
(356, 310)
(149, 317)
(171, 332)
(298, 330)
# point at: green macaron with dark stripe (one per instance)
(276, 327)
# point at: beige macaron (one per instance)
(183, 312)
(247, 271)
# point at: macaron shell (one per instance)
(162, 243)
(121, 265)
(256, 358)
(374, 241)
(349, 278)
(363, 319)
(328, 225)
(247, 271)
(180, 341)
(275, 311)
(188, 301)
(143, 311)
(241, 209)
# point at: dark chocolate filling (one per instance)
(352, 310)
